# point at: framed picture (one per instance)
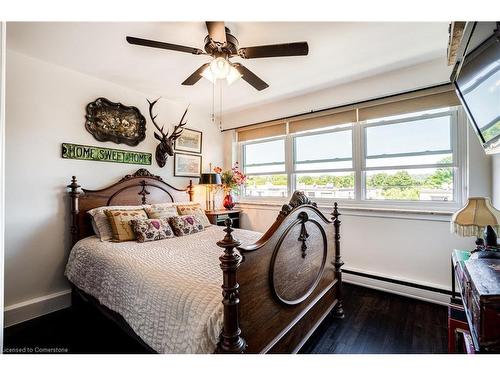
(189, 141)
(187, 165)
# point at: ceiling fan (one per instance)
(221, 45)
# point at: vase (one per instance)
(228, 202)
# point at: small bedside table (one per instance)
(217, 217)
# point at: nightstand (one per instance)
(217, 217)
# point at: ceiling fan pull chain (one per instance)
(220, 107)
(213, 103)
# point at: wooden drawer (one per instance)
(481, 301)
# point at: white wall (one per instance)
(410, 248)
(414, 248)
(495, 169)
(401, 80)
(45, 107)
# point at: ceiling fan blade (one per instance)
(275, 50)
(163, 45)
(250, 77)
(196, 76)
(217, 31)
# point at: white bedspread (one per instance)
(168, 291)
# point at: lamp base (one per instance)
(479, 245)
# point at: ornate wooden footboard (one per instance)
(277, 291)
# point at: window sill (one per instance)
(359, 210)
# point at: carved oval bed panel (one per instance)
(298, 260)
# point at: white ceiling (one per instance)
(338, 52)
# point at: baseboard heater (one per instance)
(396, 281)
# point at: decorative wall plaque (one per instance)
(115, 122)
(81, 152)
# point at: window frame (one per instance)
(453, 134)
(457, 195)
(335, 129)
(241, 157)
(458, 143)
(342, 128)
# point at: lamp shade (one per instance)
(210, 179)
(474, 217)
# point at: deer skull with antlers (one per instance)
(165, 147)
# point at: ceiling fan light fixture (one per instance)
(207, 73)
(233, 75)
(220, 67)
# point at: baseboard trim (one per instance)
(33, 308)
(436, 295)
(399, 282)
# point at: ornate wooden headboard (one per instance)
(142, 187)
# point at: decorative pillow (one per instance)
(194, 210)
(151, 229)
(120, 223)
(100, 222)
(185, 225)
(162, 210)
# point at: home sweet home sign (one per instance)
(81, 152)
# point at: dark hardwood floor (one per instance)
(375, 322)
(382, 323)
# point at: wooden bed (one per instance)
(275, 292)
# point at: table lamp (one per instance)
(472, 219)
(210, 180)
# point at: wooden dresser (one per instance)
(478, 282)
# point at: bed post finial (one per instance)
(338, 311)
(230, 340)
(190, 190)
(73, 193)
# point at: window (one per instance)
(264, 164)
(410, 158)
(400, 160)
(323, 164)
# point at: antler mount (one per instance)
(165, 148)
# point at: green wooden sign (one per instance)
(81, 152)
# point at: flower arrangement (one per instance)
(231, 179)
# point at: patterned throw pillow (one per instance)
(194, 210)
(120, 223)
(151, 229)
(161, 210)
(185, 225)
(100, 222)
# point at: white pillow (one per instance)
(100, 222)
(187, 203)
(161, 210)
